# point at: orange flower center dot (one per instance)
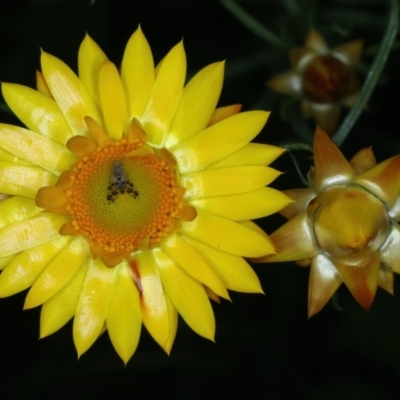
(326, 79)
(121, 200)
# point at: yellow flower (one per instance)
(131, 196)
(344, 225)
(324, 78)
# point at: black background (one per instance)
(265, 346)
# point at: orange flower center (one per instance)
(327, 79)
(350, 224)
(121, 197)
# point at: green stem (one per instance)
(373, 75)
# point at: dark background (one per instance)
(265, 346)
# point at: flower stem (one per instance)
(373, 75)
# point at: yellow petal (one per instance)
(199, 99)
(188, 296)
(362, 281)
(250, 154)
(226, 235)
(316, 42)
(326, 115)
(323, 282)
(301, 198)
(219, 182)
(6, 156)
(165, 96)
(386, 280)
(25, 234)
(69, 93)
(37, 111)
(22, 271)
(61, 307)
(363, 161)
(191, 261)
(331, 167)
(90, 58)
(58, 273)
(252, 205)
(294, 241)
(383, 180)
(93, 304)
(221, 113)
(41, 85)
(23, 180)
(288, 83)
(4, 261)
(154, 307)
(124, 319)
(173, 324)
(16, 209)
(35, 148)
(234, 271)
(112, 99)
(349, 52)
(199, 151)
(137, 74)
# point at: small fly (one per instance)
(120, 183)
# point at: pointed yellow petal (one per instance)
(38, 112)
(137, 74)
(173, 324)
(326, 115)
(226, 235)
(188, 296)
(316, 42)
(363, 161)
(197, 104)
(23, 180)
(60, 308)
(331, 167)
(252, 205)
(69, 93)
(301, 198)
(383, 180)
(221, 113)
(250, 154)
(153, 304)
(199, 151)
(93, 304)
(165, 96)
(4, 261)
(90, 58)
(193, 263)
(219, 182)
(362, 281)
(294, 241)
(35, 148)
(349, 52)
(113, 102)
(58, 273)
(22, 271)
(323, 283)
(6, 156)
(16, 209)
(288, 83)
(25, 234)
(234, 271)
(124, 319)
(386, 280)
(300, 57)
(41, 85)
(390, 251)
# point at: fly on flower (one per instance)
(123, 209)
